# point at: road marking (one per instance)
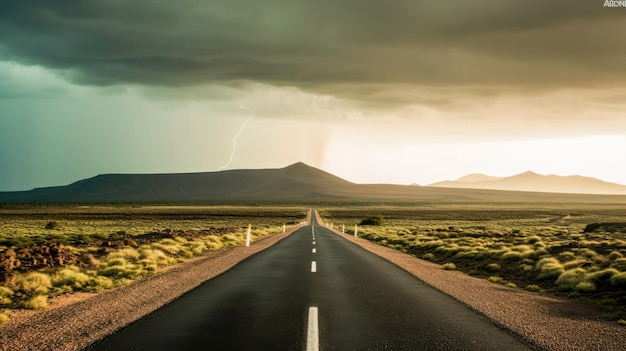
(314, 243)
(314, 251)
(313, 267)
(312, 333)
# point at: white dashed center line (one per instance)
(312, 334)
(314, 251)
(313, 267)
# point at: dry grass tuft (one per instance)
(4, 317)
(449, 266)
(36, 303)
(34, 282)
(5, 296)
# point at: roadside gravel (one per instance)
(548, 322)
(75, 325)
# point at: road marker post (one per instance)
(248, 234)
(284, 228)
(343, 228)
(356, 230)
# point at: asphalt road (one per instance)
(304, 294)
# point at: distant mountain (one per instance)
(477, 177)
(530, 181)
(296, 183)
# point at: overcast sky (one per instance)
(397, 91)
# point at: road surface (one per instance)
(313, 291)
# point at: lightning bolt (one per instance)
(236, 137)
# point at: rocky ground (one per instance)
(59, 255)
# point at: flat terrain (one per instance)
(552, 323)
(571, 250)
(47, 251)
(363, 301)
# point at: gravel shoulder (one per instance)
(548, 322)
(76, 321)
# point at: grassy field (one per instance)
(573, 250)
(46, 251)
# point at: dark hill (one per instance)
(295, 183)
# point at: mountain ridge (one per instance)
(295, 183)
(531, 181)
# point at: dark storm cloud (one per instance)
(315, 44)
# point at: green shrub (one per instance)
(127, 253)
(377, 220)
(4, 317)
(449, 266)
(52, 225)
(620, 264)
(196, 247)
(5, 295)
(622, 322)
(570, 279)
(497, 280)
(614, 255)
(428, 256)
(34, 282)
(36, 303)
(100, 283)
(168, 246)
(587, 253)
(493, 267)
(619, 279)
(70, 277)
(574, 264)
(154, 257)
(510, 285)
(585, 286)
(511, 256)
(533, 288)
(526, 268)
(549, 268)
(603, 275)
(115, 261)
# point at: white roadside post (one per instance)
(284, 228)
(331, 226)
(248, 235)
(343, 228)
(356, 230)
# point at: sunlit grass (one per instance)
(123, 265)
(536, 246)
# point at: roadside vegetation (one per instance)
(578, 251)
(49, 251)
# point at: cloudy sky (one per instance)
(397, 91)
